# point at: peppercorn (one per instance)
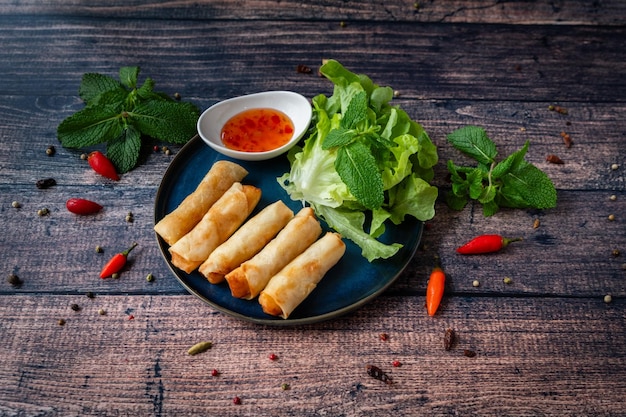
(536, 224)
(50, 150)
(615, 252)
(608, 298)
(613, 197)
(507, 280)
(84, 156)
(167, 152)
(611, 217)
(102, 312)
(43, 212)
(177, 96)
(61, 322)
(90, 295)
(129, 217)
(396, 364)
(476, 283)
(284, 386)
(75, 307)
(45, 183)
(383, 336)
(16, 204)
(215, 372)
(614, 167)
(115, 275)
(273, 357)
(236, 400)
(14, 280)
(469, 353)
(99, 249)
(149, 277)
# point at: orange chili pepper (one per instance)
(434, 291)
(116, 263)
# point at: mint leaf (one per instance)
(338, 137)
(168, 121)
(93, 85)
(357, 169)
(123, 151)
(529, 185)
(356, 111)
(89, 126)
(473, 142)
(509, 163)
(128, 76)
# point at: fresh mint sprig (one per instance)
(512, 182)
(120, 113)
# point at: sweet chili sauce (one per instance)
(257, 130)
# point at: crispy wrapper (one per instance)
(252, 276)
(221, 176)
(221, 221)
(246, 242)
(289, 287)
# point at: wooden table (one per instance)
(546, 344)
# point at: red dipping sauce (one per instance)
(257, 130)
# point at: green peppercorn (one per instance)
(129, 217)
(284, 386)
(99, 249)
(149, 277)
(115, 275)
(507, 280)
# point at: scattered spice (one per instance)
(14, 280)
(611, 217)
(383, 336)
(50, 150)
(99, 249)
(215, 372)
(613, 197)
(177, 96)
(475, 283)
(149, 277)
(567, 139)
(167, 152)
(129, 217)
(553, 159)
(558, 109)
(469, 353)
(377, 373)
(199, 348)
(45, 183)
(16, 204)
(615, 252)
(115, 275)
(156, 148)
(84, 156)
(90, 295)
(61, 322)
(273, 357)
(608, 298)
(75, 307)
(507, 280)
(448, 339)
(102, 312)
(303, 69)
(396, 364)
(285, 386)
(614, 167)
(43, 212)
(536, 224)
(131, 317)
(236, 400)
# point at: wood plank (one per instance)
(222, 59)
(536, 356)
(577, 12)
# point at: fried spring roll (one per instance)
(289, 287)
(183, 218)
(221, 221)
(246, 242)
(252, 276)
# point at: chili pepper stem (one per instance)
(506, 241)
(127, 251)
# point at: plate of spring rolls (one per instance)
(233, 237)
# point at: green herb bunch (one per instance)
(119, 113)
(512, 182)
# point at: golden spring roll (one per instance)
(183, 218)
(221, 221)
(246, 242)
(252, 276)
(287, 289)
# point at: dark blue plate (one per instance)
(349, 285)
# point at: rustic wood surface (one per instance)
(547, 344)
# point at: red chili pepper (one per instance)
(434, 291)
(116, 263)
(82, 206)
(102, 165)
(485, 244)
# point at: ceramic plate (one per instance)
(349, 285)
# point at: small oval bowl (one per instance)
(294, 105)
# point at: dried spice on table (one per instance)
(377, 373)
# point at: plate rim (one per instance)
(196, 141)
